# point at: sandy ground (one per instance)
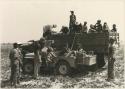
(95, 79)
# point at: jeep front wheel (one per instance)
(28, 68)
(63, 68)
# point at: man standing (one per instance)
(72, 20)
(14, 62)
(111, 60)
(37, 60)
(43, 52)
(20, 60)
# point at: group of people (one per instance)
(43, 56)
(75, 27)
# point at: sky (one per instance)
(23, 20)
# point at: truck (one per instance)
(96, 42)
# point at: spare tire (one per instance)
(28, 67)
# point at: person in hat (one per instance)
(20, 60)
(47, 30)
(111, 59)
(84, 27)
(105, 27)
(37, 59)
(72, 20)
(92, 29)
(98, 26)
(114, 29)
(79, 48)
(14, 63)
(42, 42)
(64, 50)
(43, 51)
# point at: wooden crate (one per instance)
(89, 60)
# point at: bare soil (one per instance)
(96, 79)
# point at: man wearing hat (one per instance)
(84, 27)
(37, 59)
(98, 26)
(114, 29)
(14, 63)
(72, 20)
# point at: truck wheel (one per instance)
(63, 68)
(28, 68)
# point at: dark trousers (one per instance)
(111, 68)
(14, 78)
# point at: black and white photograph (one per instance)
(62, 44)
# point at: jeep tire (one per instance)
(63, 68)
(28, 68)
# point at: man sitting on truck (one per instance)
(105, 27)
(98, 26)
(114, 29)
(64, 50)
(79, 49)
(84, 27)
(47, 30)
(91, 30)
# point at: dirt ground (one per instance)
(96, 79)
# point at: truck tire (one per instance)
(63, 68)
(28, 68)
